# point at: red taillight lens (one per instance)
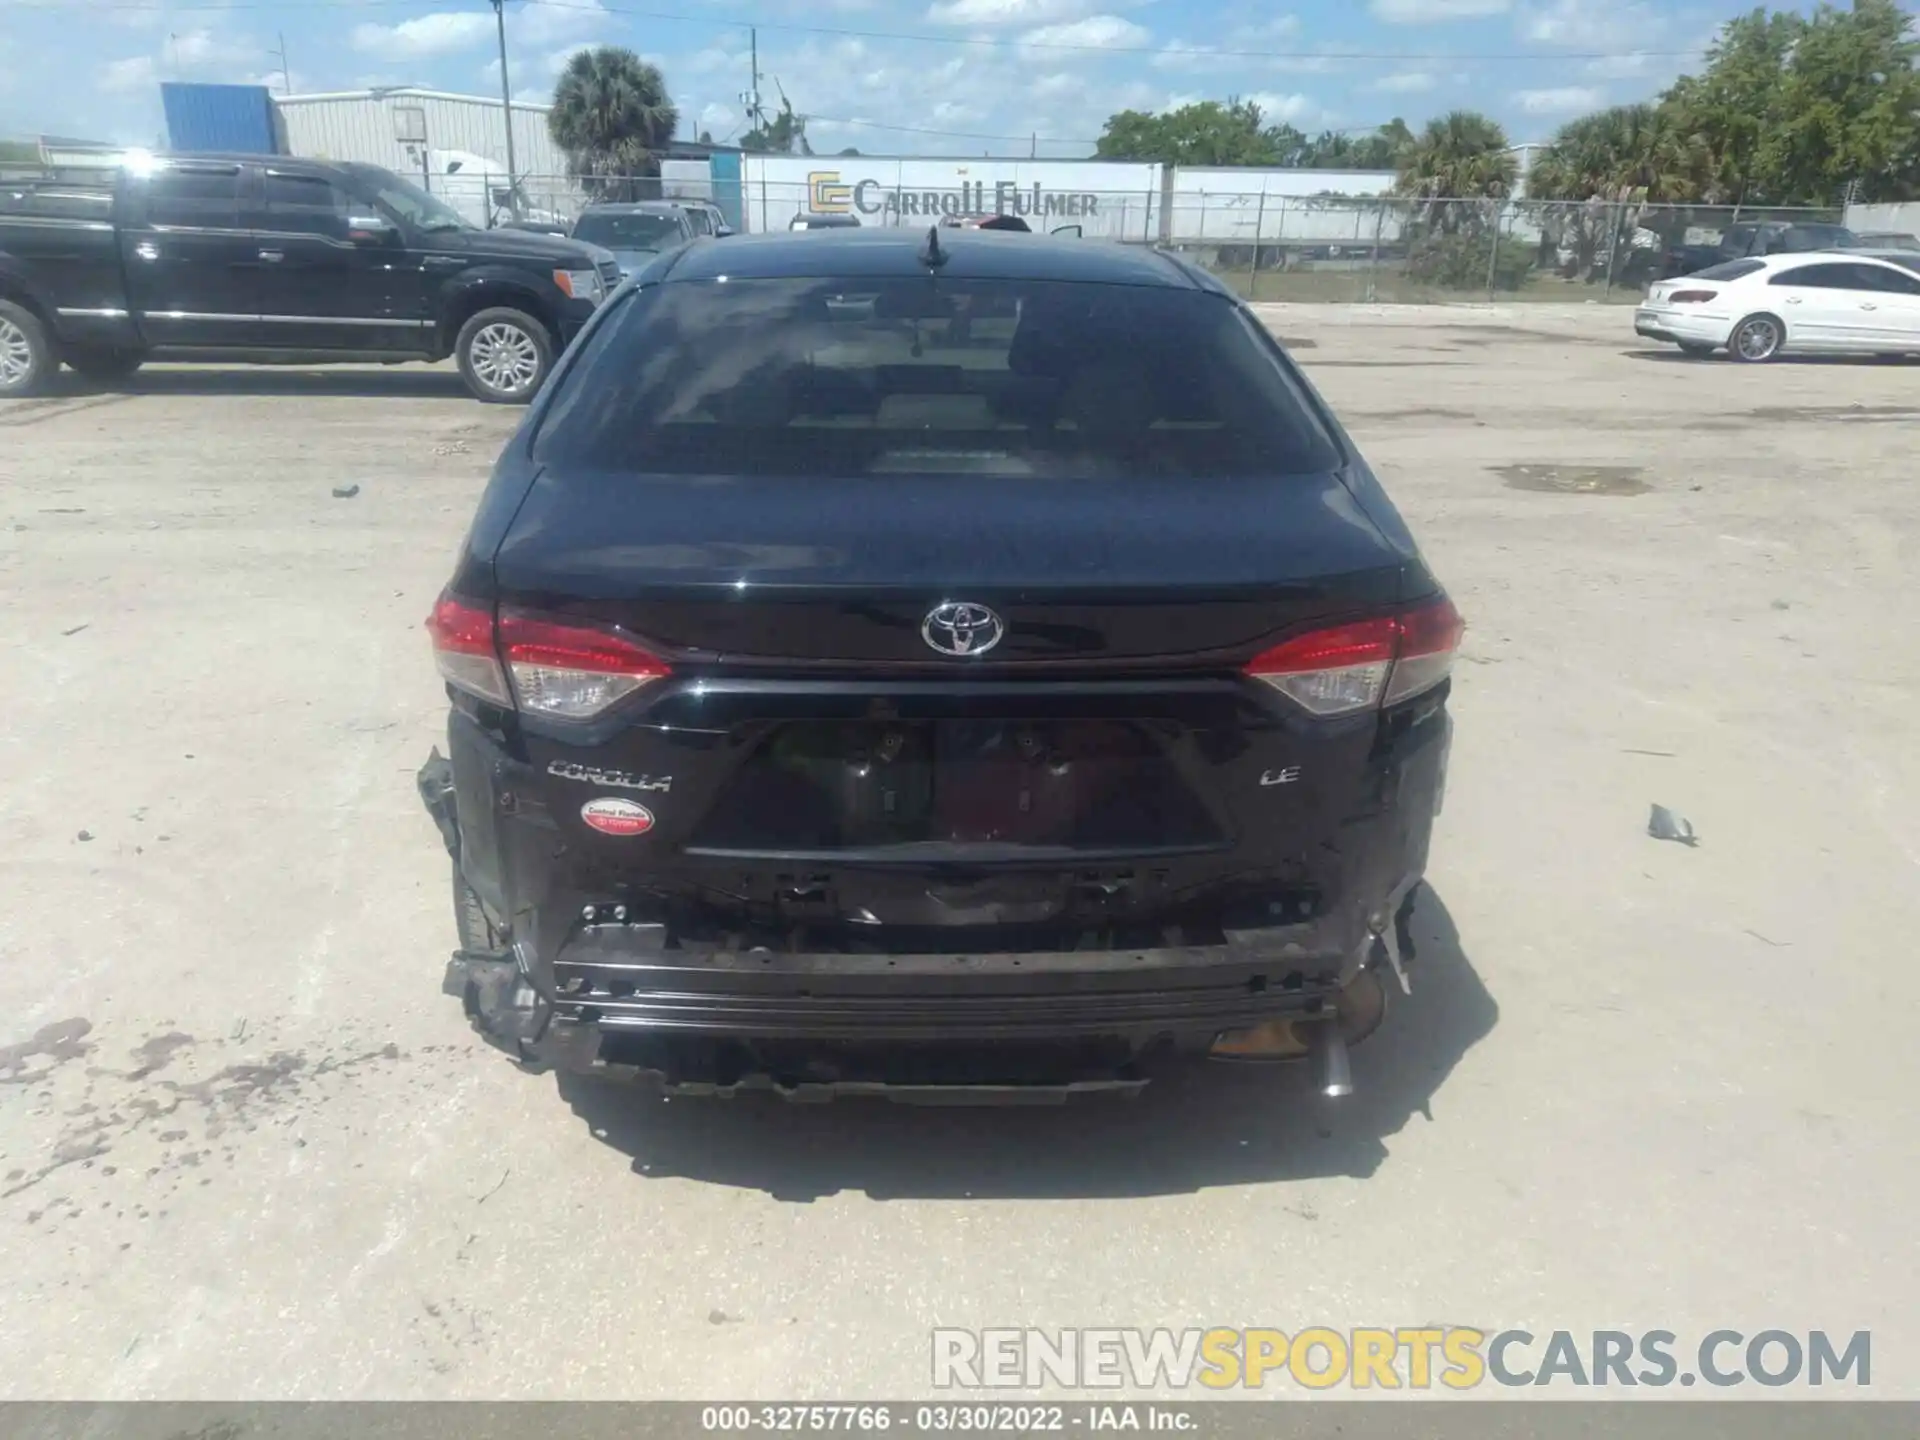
(573, 671)
(463, 648)
(1692, 297)
(570, 671)
(1366, 664)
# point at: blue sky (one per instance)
(881, 74)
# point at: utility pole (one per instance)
(506, 110)
(752, 97)
(286, 75)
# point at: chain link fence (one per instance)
(1394, 250)
(1335, 248)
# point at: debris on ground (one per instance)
(1663, 824)
(76, 629)
(1781, 605)
(86, 835)
(345, 492)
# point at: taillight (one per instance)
(1366, 664)
(551, 667)
(1691, 297)
(463, 649)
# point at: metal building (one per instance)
(219, 117)
(396, 127)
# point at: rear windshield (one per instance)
(1728, 270)
(628, 232)
(1823, 237)
(795, 377)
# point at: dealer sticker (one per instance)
(612, 816)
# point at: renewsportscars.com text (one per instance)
(1397, 1358)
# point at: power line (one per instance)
(913, 37)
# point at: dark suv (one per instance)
(840, 702)
(265, 257)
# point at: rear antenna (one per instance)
(931, 255)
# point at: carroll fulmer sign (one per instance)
(828, 193)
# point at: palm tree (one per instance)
(1643, 155)
(1460, 156)
(612, 116)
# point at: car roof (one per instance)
(879, 252)
(1820, 257)
(633, 207)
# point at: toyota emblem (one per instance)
(960, 627)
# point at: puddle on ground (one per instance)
(1574, 479)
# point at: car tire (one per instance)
(470, 918)
(1756, 339)
(504, 356)
(102, 364)
(1698, 352)
(27, 359)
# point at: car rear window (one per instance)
(628, 232)
(919, 375)
(1729, 270)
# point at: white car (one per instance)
(1830, 301)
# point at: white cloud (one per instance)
(1561, 100)
(1294, 109)
(276, 80)
(440, 33)
(1274, 27)
(1629, 65)
(1406, 82)
(1583, 25)
(136, 72)
(1096, 32)
(1428, 12)
(545, 24)
(717, 117)
(1185, 55)
(189, 54)
(709, 60)
(1006, 12)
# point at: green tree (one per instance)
(1460, 156)
(1591, 187)
(1207, 133)
(612, 116)
(784, 134)
(1375, 150)
(1797, 110)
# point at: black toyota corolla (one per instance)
(935, 665)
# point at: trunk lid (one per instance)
(745, 571)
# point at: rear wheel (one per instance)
(27, 361)
(103, 364)
(1757, 339)
(1696, 350)
(504, 355)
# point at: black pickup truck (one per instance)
(270, 259)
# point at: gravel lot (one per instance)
(249, 1151)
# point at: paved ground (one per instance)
(249, 1151)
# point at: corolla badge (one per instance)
(959, 627)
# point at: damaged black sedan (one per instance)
(939, 665)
